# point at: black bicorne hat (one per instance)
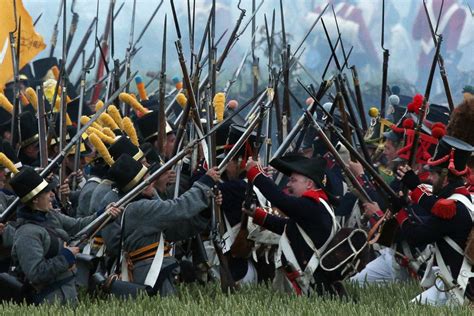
(148, 126)
(312, 168)
(126, 172)
(27, 184)
(123, 145)
(452, 154)
(28, 129)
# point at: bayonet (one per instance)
(54, 37)
(72, 27)
(386, 55)
(442, 69)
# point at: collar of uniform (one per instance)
(27, 213)
(315, 195)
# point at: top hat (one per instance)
(28, 183)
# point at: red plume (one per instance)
(408, 123)
(444, 208)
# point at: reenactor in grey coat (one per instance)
(148, 219)
(39, 252)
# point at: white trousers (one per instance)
(382, 269)
(433, 295)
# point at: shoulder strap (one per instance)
(464, 200)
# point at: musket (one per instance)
(104, 46)
(286, 114)
(233, 37)
(81, 46)
(91, 229)
(72, 27)
(238, 70)
(386, 55)
(77, 154)
(129, 49)
(54, 37)
(63, 112)
(423, 109)
(442, 69)
(15, 50)
(355, 78)
(242, 246)
(323, 88)
(255, 71)
(358, 93)
(92, 57)
(43, 149)
(191, 104)
(270, 91)
(359, 191)
(56, 161)
(161, 98)
(191, 19)
(145, 27)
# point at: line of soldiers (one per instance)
(124, 200)
(306, 236)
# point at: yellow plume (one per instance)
(130, 130)
(100, 147)
(105, 138)
(24, 100)
(127, 98)
(219, 105)
(99, 105)
(85, 119)
(4, 103)
(48, 88)
(115, 114)
(181, 99)
(108, 121)
(7, 163)
(107, 131)
(32, 97)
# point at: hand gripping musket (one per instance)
(56, 161)
(90, 230)
(442, 69)
(386, 55)
(54, 37)
(72, 27)
(242, 246)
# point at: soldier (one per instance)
(149, 222)
(39, 250)
(310, 224)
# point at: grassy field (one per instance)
(258, 300)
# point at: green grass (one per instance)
(257, 300)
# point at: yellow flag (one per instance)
(31, 43)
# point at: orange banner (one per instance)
(31, 43)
